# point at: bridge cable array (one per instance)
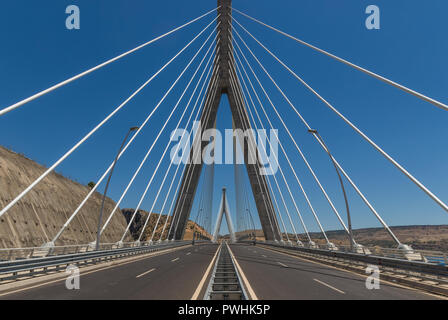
(281, 145)
(233, 81)
(213, 87)
(206, 81)
(308, 127)
(167, 146)
(240, 81)
(362, 134)
(275, 156)
(4, 210)
(76, 146)
(370, 73)
(137, 132)
(82, 74)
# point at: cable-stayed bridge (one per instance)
(288, 264)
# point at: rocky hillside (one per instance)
(41, 213)
(140, 219)
(419, 237)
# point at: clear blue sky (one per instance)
(410, 48)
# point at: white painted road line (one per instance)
(331, 287)
(108, 266)
(284, 265)
(252, 295)
(204, 277)
(188, 253)
(141, 275)
(174, 259)
(264, 256)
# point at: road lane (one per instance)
(274, 275)
(156, 277)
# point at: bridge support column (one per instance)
(223, 68)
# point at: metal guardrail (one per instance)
(11, 254)
(390, 260)
(431, 256)
(34, 265)
(225, 281)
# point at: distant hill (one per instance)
(141, 217)
(429, 237)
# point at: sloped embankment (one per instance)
(141, 217)
(41, 213)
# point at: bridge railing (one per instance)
(13, 254)
(426, 256)
(29, 267)
(431, 256)
(428, 275)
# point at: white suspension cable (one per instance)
(194, 155)
(183, 133)
(325, 149)
(366, 71)
(82, 74)
(283, 151)
(127, 145)
(213, 87)
(287, 130)
(362, 134)
(177, 169)
(265, 190)
(234, 86)
(149, 151)
(177, 149)
(209, 99)
(254, 152)
(276, 182)
(49, 170)
(166, 149)
(279, 212)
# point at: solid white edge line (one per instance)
(205, 276)
(252, 295)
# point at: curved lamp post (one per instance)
(98, 234)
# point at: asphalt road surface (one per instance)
(173, 275)
(274, 275)
(177, 275)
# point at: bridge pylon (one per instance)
(224, 209)
(220, 84)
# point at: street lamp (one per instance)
(349, 221)
(98, 234)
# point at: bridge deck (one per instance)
(275, 275)
(177, 275)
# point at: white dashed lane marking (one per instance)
(282, 264)
(331, 287)
(141, 275)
